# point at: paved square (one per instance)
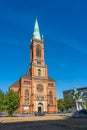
(43, 123)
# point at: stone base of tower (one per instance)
(30, 110)
(25, 109)
(52, 110)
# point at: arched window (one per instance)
(50, 98)
(26, 98)
(38, 51)
(39, 72)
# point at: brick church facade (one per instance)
(36, 90)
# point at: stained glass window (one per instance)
(50, 98)
(26, 101)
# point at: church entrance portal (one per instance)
(40, 107)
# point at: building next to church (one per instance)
(81, 101)
(81, 90)
(36, 89)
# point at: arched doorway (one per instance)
(40, 107)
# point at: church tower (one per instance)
(37, 63)
(36, 90)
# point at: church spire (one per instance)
(36, 34)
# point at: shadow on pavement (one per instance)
(60, 124)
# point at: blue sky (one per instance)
(64, 26)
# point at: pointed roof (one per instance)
(50, 79)
(36, 34)
(16, 84)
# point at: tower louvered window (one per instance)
(39, 72)
(38, 51)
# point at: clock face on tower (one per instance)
(39, 88)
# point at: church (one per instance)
(37, 91)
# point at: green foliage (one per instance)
(68, 99)
(61, 104)
(11, 102)
(66, 103)
(86, 104)
(1, 101)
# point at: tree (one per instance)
(1, 100)
(11, 101)
(68, 99)
(61, 104)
